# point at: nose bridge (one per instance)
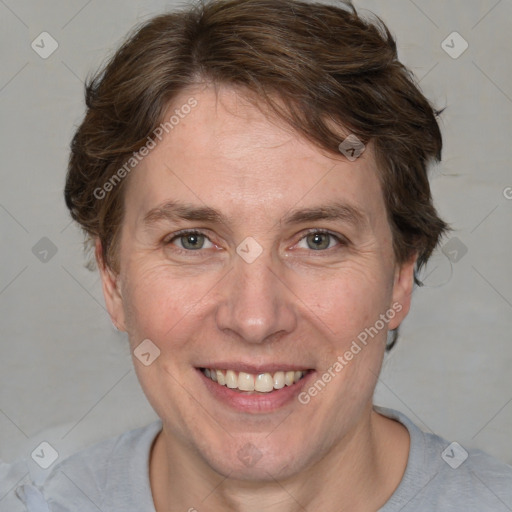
(256, 303)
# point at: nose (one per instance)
(255, 302)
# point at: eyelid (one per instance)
(170, 238)
(312, 231)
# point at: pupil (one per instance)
(192, 241)
(319, 241)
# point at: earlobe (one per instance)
(111, 289)
(402, 290)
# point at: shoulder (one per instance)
(110, 475)
(443, 475)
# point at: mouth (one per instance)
(258, 383)
(258, 391)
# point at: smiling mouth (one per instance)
(249, 382)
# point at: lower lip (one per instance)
(256, 402)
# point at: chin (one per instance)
(255, 459)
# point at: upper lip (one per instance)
(254, 368)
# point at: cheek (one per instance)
(173, 307)
(158, 299)
(157, 302)
(348, 300)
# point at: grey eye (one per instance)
(318, 241)
(192, 241)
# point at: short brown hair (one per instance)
(327, 66)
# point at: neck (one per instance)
(359, 474)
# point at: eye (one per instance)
(190, 240)
(320, 240)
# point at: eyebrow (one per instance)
(175, 210)
(332, 211)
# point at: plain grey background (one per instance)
(66, 375)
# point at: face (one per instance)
(248, 250)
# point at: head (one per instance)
(231, 120)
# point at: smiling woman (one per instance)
(258, 256)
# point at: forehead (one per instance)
(227, 153)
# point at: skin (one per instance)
(292, 304)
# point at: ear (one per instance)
(402, 290)
(111, 291)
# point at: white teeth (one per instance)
(231, 380)
(263, 382)
(288, 378)
(278, 380)
(245, 382)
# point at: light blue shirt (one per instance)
(113, 476)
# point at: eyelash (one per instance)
(182, 233)
(341, 240)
